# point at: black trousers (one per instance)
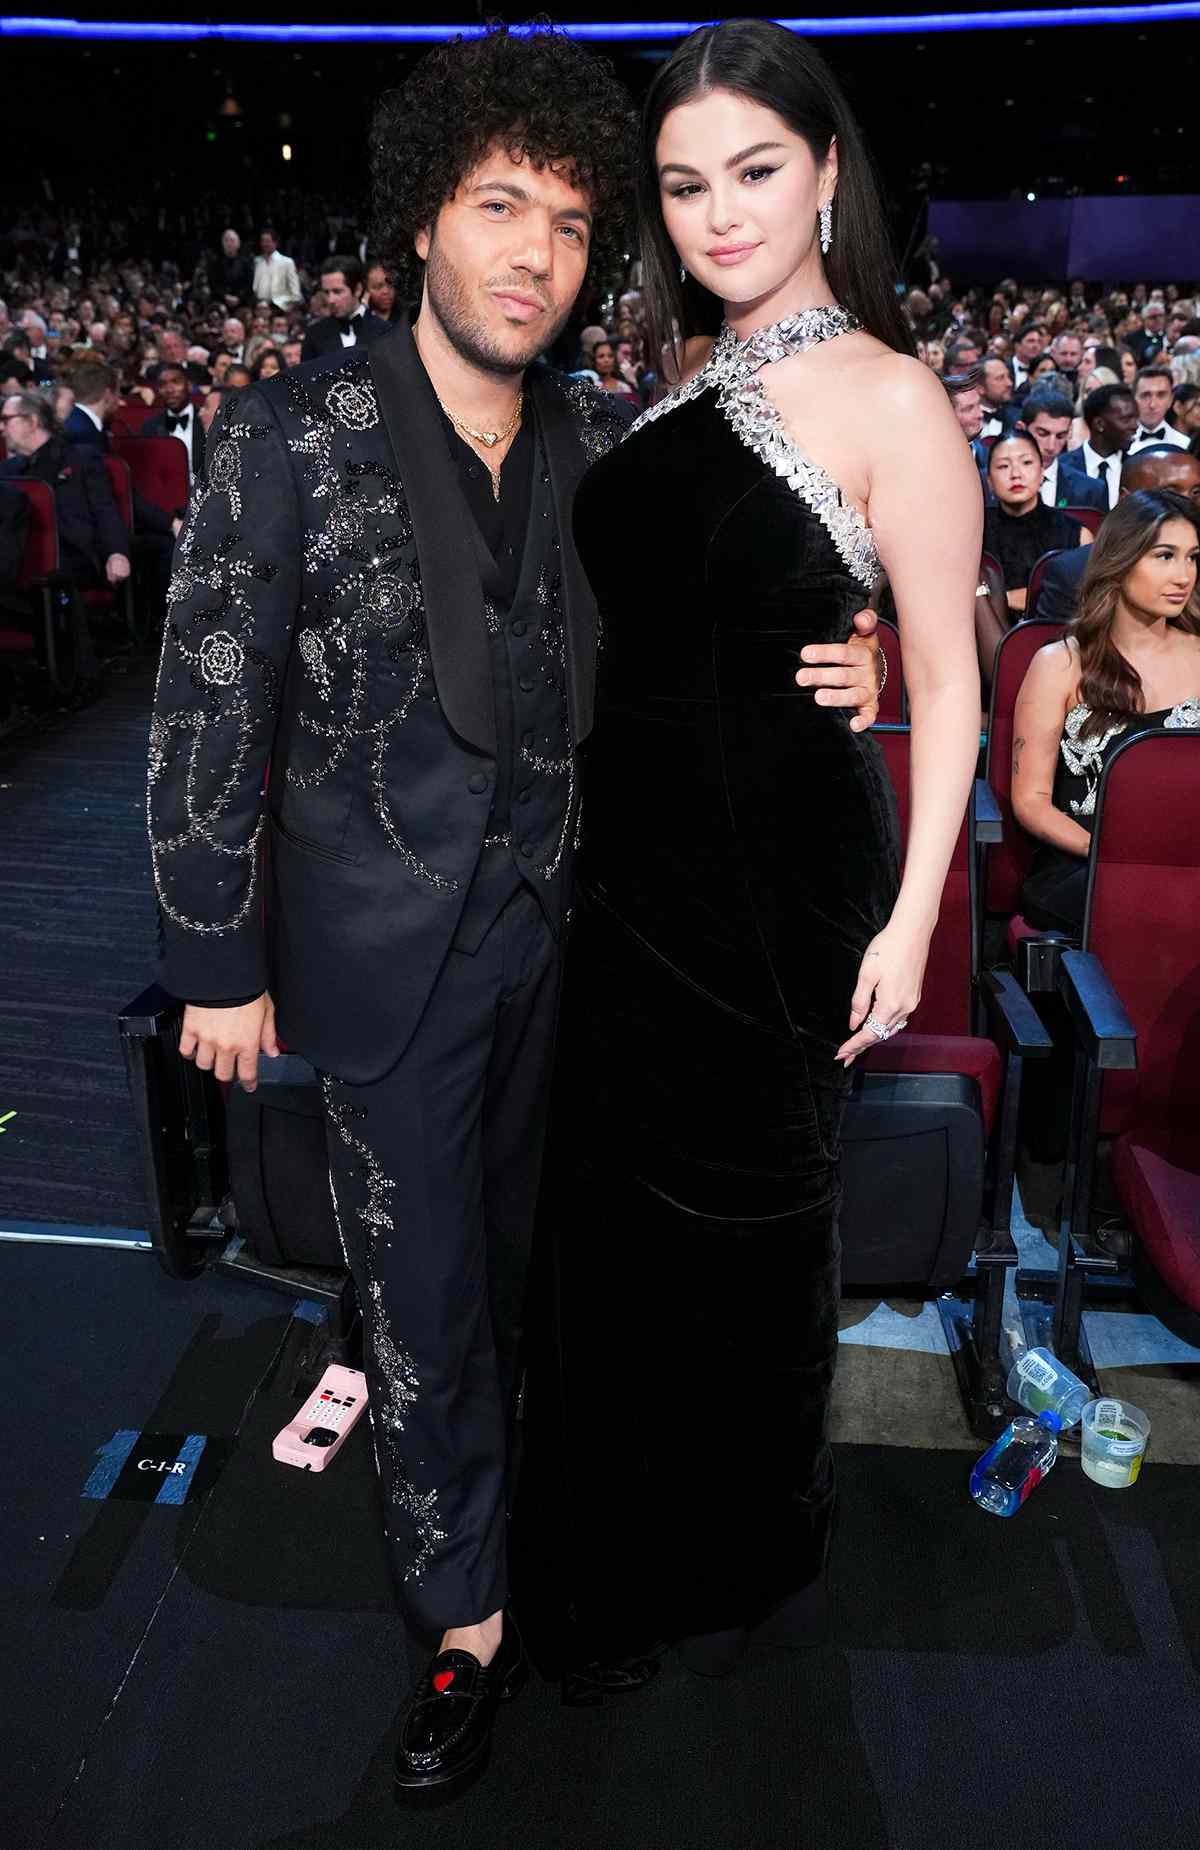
(434, 1170)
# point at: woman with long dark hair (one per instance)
(1130, 661)
(742, 933)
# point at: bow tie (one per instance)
(176, 418)
(1153, 436)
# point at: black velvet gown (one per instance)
(739, 851)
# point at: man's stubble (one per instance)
(466, 331)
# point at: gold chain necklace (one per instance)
(489, 438)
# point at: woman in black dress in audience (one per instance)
(742, 932)
(1018, 527)
(1130, 661)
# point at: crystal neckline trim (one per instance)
(794, 334)
(731, 371)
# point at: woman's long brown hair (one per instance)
(1108, 684)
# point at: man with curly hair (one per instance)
(377, 590)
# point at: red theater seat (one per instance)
(1142, 965)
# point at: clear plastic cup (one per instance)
(1115, 1434)
(1041, 1383)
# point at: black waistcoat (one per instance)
(533, 808)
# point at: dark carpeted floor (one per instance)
(226, 1675)
(77, 923)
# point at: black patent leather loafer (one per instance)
(446, 1733)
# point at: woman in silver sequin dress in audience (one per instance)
(1130, 661)
(742, 932)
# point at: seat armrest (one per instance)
(1104, 1029)
(1017, 1026)
(989, 825)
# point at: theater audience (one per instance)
(1018, 526)
(268, 363)
(1130, 661)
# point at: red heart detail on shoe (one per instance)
(443, 1680)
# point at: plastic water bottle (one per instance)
(1039, 1381)
(1019, 1460)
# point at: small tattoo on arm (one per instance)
(1017, 745)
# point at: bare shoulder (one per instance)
(896, 384)
(1053, 672)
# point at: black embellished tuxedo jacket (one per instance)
(326, 619)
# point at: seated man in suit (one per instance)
(1161, 465)
(180, 418)
(349, 320)
(1154, 391)
(1111, 417)
(1047, 416)
(95, 386)
(93, 544)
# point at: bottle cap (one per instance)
(1051, 1420)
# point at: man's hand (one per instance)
(848, 672)
(116, 568)
(226, 1042)
(176, 527)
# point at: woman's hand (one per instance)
(888, 988)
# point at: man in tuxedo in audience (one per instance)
(349, 321)
(233, 338)
(1111, 418)
(93, 541)
(95, 388)
(1026, 353)
(1047, 416)
(179, 418)
(1067, 350)
(275, 278)
(1162, 465)
(1151, 341)
(1153, 392)
(997, 395)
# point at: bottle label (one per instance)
(1037, 1371)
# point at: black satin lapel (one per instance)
(450, 581)
(568, 465)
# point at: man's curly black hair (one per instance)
(543, 98)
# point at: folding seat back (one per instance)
(1143, 922)
(1007, 861)
(159, 469)
(1089, 517)
(122, 487)
(40, 560)
(1034, 588)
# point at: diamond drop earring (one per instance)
(683, 273)
(825, 219)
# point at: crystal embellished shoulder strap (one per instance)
(732, 360)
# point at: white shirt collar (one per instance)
(1049, 488)
(97, 420)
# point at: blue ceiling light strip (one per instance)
(629, 32)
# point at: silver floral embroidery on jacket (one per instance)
(395, 1366)
(731, 370)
